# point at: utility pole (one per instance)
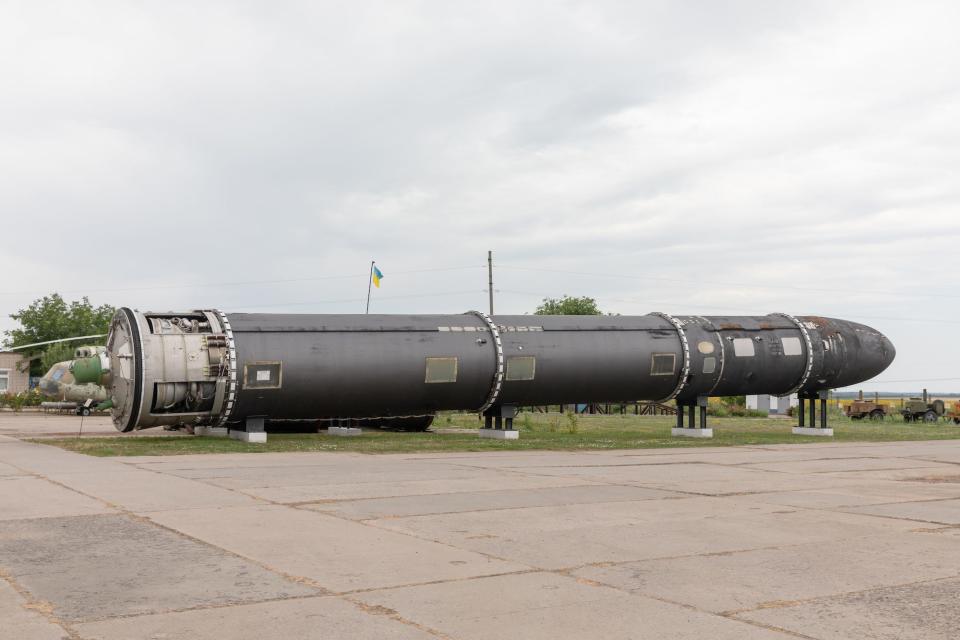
(490, 279)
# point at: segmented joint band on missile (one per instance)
(212, 368)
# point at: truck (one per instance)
(919, 409)
(862, 409)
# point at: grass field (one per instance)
(537, 431)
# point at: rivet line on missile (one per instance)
(809, 343)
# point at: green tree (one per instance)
(568, 306)
(52, 318)
(58, 352)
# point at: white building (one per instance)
(14, 373)
(772, 404)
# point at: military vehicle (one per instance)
(861, 409)
(78, 381)
(920, 409)
(954, 413)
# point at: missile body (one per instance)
(213, 368)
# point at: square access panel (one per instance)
(439, 370)
(262, 375)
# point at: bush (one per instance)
(15, 401)
(33, 398)
(573, 423)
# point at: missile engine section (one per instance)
(217, 369)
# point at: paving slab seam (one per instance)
(371, 609)
(934, 461)
(485, 509)
(309, 503)
(202, 607)
(926, 466)
(143, 519)
(886, 504)
(848, 512)
(415, 537)
(288, 576)
(886, 517)
(774, 628)
(299, 503)
(200, 481)
(40, 476)
(708, 554)
(427, 583)
(783, 604)
(41, 607)
(684, 605)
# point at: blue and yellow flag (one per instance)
(376, 277)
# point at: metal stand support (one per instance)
(214, 432)
(344, 428)
(502, 427)
(252, 431)
(693, 429)
(813, 430)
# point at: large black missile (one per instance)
(213, 368)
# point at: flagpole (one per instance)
(369, 284)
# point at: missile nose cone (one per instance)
(877, 352)
(889, 351)
(867, 354)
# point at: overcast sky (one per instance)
(688, 157)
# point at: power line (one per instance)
(727, 283)
(239, 283)
(345, 300)
(912, 380)
(737, 309)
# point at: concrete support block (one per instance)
(258, 437)
(211, 432)
(812, 431)
(344, 431)
(691, 433)
(500, 434)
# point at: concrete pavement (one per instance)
(813, 541)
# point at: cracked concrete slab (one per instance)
(695, 478)
(19, 620)
(546, 606)
(732, 581)
(480, 545)
(144, 491)
(8, 471)
(844, 465)
(486, 500)
(920, 611)
(338, 554)
(90, 567)
(935, 511)
(567, 536)
(43, 459)
(301, 619)
(859, 494)
(30, 497)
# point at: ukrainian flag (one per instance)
(376, 277)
